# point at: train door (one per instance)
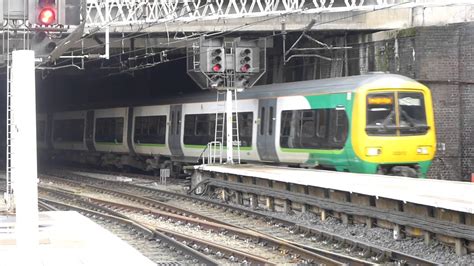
(90, 130)
(174, 133)
(266, 130)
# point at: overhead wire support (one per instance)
(286, 53)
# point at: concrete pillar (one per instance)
(253, 201)
(305, 208)
(224, 195)
(323, 215)
(271, 204)
(459, 247)
(397, 232)
(287, 206)
(23, 155)
(427, 238)
(369, 222)
(239, 199)
(344, 218)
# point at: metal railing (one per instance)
(212, 152)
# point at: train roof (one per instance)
(320, 86)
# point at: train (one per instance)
(374, 123)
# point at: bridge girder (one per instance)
(263, 15)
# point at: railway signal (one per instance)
(44, 12)
(215, 59)
(246, 59)
(229, 63)
(47, 13)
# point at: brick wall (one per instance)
(445, 63)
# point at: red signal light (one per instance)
(47, 16)
(245, 68)
(216, 67)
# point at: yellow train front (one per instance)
(393, 129)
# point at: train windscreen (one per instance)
(396, 113)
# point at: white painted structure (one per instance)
(68, 238)
(23, 171)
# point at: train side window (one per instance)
(109, 129)
(340, 127)
(68, 130)
(262, 121)
(270, 121)
(322, 123)
(189, 121)
(198, 129)
(202, 125)
(285, 128)
(245, 128)
(307, 124)
(150, 129)
(313, 129)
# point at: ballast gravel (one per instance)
(436, 251)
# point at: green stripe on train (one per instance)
(339, 159)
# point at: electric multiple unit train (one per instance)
(377, 123)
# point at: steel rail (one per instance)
(147, 201)
(303, 254)
(145, 230)
(365, 249)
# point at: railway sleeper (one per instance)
(383, 213)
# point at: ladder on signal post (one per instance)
(235, 128)
(215, 147)
(221, 133)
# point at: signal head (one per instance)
(245, 68)
(215, 61)
(216, 67)
(47, 16)
(216, 52)
(245, 52)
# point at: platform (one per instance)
(68, 238)
(450, 195)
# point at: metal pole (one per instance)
(23, 155)
(228, 112)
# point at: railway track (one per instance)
(213, 236)
(324, 243)
(158, 247)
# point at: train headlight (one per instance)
(373, 151)
(424, 150)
